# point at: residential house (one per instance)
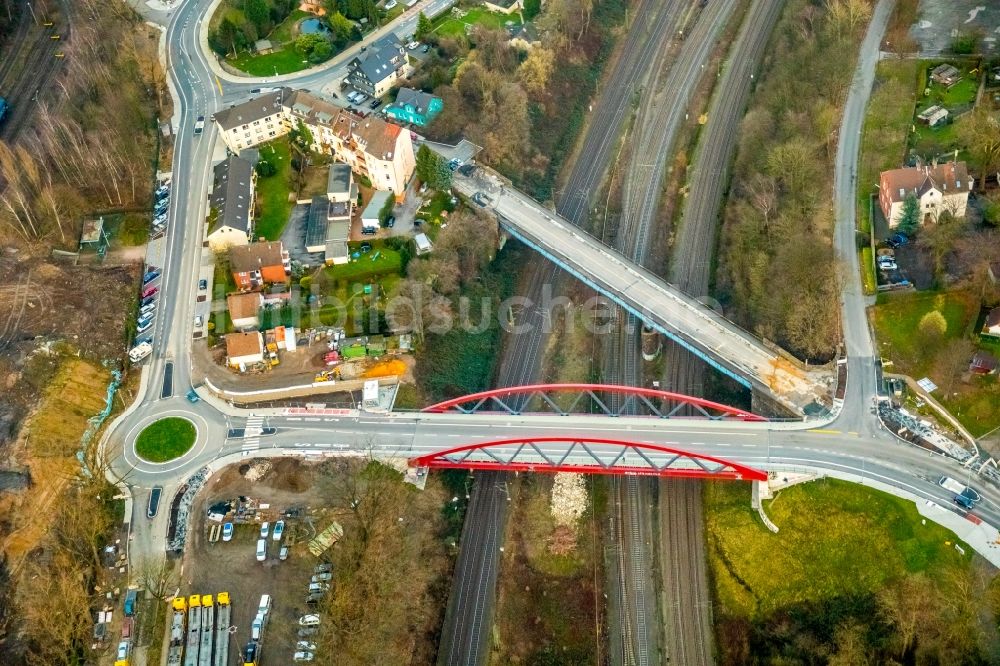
(946, 75)
(523, 36)
(992, 324)
(983, 363)
(244, 309)
(369, 216)
(503, 6)
(933, 115)
(259, 263)
(938, 188)
(254, 122)
(378, 68)
(328, 229)
(243, 349)
(379, 151)
(414, 106)
(231, 216)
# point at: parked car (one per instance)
(264, 527)
(412, 45)
(302, 655)
(322, 577)
(154, 501)
(425, 48)
(323, 568)
(454, 163)
(309, 621)
(145, 327)
(391, 222)
(279, 529)
(360, 98)
(305, 645)
(261, 550)
(314, 599)
(390, 5)
(227, 532)
(122, 651)
(148, 300)
(889, 266)
(375, 103)
(202, 285)
(897, 240)
(307, 631)
(369, 231)
(283, 553)
(318, 587)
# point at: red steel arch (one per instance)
(587, 456)
(673, 403)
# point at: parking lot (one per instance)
(285, 486)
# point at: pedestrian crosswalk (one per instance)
(251, 435)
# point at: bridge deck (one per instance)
(722, 344)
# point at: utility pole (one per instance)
(31, 9)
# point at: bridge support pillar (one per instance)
(760, 492)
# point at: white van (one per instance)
(257, 628)
(265, 604)
(261, 550)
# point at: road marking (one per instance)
(825, 431)
(294, 418)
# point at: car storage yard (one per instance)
(389, 570)
(213, 567)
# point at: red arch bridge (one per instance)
(586, 454)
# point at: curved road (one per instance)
(852, 447)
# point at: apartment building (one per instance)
(374, 149)
(254, 122)
(379, 67)
(937, 188)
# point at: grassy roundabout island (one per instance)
(165, 439)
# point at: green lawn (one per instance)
(284, 32)
(868, 270)
(448, 25)
(836, 540)
(282, 61)
(431, 211)
(961, 94)
(166, 439)
(896, 317)
(380, 261)
(273, 206)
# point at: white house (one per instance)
(254, 122)
(938, 188)
(231, 204)
(243, 349)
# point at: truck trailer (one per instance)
(193, 631)
(207, 630)
(965, 496)
(175, 651)
(222, 629)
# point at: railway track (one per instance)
(687, 600)
(469, 611)
(31, 63)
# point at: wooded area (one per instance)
(91, 148)
(776, 270)
(524, 108)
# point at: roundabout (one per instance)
(165, 439)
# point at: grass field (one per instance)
(448, 25)
(868, 270)
(166, 439)
(273, 207)
(836, 539)
(896, 318)
(380, 261)
(282, 61)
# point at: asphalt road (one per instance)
(853, 444)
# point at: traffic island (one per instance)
(166, 439)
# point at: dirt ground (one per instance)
(210, 568)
